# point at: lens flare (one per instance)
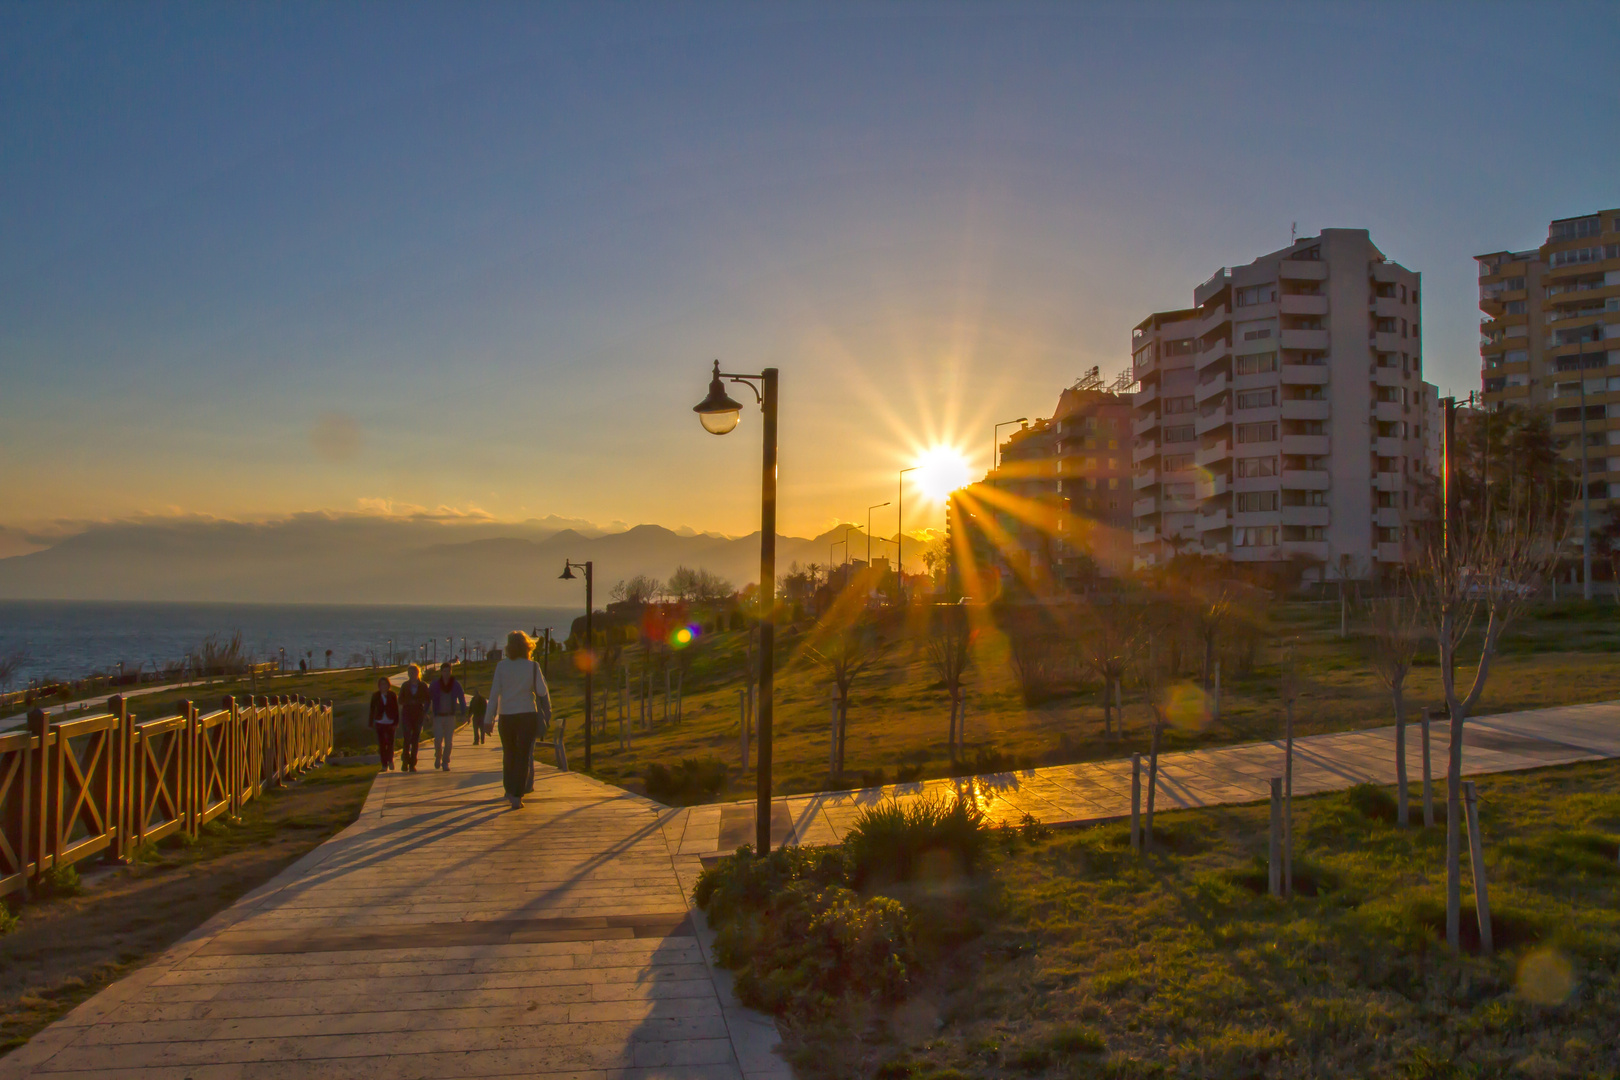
(1546, 977)
(1187, 707)
(682, 636)
(941, 470)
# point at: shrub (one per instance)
(907, 774)
(1075, 1039)
(1374, 803)
(692, 781)
(8, 919)
(930, 838)
(61, 880)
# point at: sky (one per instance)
(476, 259)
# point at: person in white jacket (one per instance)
(521, 704)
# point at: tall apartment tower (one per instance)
(1281, 417)
(1551, 336)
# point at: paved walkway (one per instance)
(441, 935)
(1100, 791)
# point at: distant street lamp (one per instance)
(900, 534)
(719, 414)
(995, 438)
(869, 509)
(590, 644)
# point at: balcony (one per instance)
(1311, 340)
(1389, 376)
(1217, 351)
(1305, 479)
(1385, 446)
(1213, 521)
(1306, 515)
(1219, 280)
(1145, 478)
(1214, 422)
(1217, 453)
(1387, 517)
(1144, 424)
(1306, 374)
(1144, 452)
(1306, 410)
(1302, 270)
(1147, 535)
(1212, 387)
(1389, 411)
(1313, 445)
(1142, 508)
(1212, 486)
(1386, 307)
(1390, 553)
(1304, 305)
(1386, 342)
(1385, 273)
(1388, 481)
(1311, 549)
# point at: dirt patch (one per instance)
(65, 949)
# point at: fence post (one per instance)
(742, 725)
(190, 772)
(1274, 847)
(118, 812)
(36, 802)
(1476, 859)
(1136, 803)
(234, 771)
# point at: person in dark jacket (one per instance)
(449, 702)
(384, 719)
(415, 705)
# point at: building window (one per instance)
(1389, 534)
(1515, 307)
(1256, 466)
(1113, 483)
(1256, 294)
(1255, 536)
(1256, 335)
(1257, 399)
(1175, 405)
(1257, 364)
(1576, 229)
(1305, 498)
(1179, 347)
(1257, 433)
(1180, 433)
(1304, 532)
(1177, 462)
(1256, 502)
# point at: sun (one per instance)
(940, 471)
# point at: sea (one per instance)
(72, 639)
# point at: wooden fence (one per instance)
(104, 785)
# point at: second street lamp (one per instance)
(995, 438)
(869, 509)
(590, 645)
(719, 415)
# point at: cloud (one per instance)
(388, 508)
(335, 437)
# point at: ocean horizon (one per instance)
(69, 639)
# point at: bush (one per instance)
(1374, 803)
(922, 838)
(61, 880)
(692, 781)
(741, 883)
(8, 919)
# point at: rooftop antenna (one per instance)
(1091, 380)
(1123, 382)
(1293, 232)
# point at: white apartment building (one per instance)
(1282, 416)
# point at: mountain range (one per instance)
(365, 559)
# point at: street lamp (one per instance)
(900, 534)
(869, 509)
(590, 645)
(719, 415)
(995, 437)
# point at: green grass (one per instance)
(1097, 963)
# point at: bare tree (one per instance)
(1488, 562)
(638, 591)
(845, 648)
(950, 652)
(10, 664)
(1394, 629)
(1111, 632)
(1288, 688)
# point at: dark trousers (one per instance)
(518, 732)
(410, 737)
(478, 728)
(385, 744)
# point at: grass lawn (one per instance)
(1094, 963)
(66, 948)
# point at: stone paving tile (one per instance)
(548, 979)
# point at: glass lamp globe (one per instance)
(718, 412)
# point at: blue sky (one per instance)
(259, 259)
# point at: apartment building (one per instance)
(1056, 510)
(1283, 415)
(1550, 337)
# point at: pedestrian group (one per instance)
(519, 706)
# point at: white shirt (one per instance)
(518, 687)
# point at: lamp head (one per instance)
(568, 572)
(718, 412)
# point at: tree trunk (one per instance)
(1209, 657)
(956, 700)
(1288, 798)
(1153, 781)
(1453, 832)
(1108, 707)
(1400, 755)
(843, 728)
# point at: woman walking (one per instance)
(383, 720)
(519, 699)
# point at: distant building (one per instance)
(1551, 337)
(1283, 416)
(1056, 510)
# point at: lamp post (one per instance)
(590, 644)
(869, 509)
(388, 661)
(900, 534)
(719, 415)
(995, 438)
